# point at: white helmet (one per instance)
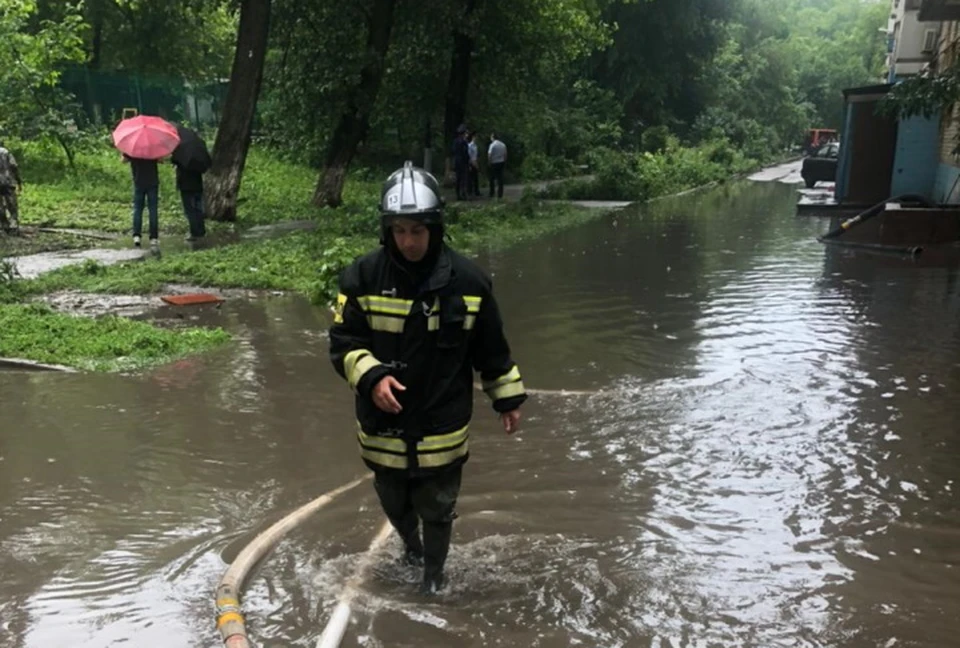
(411, 192)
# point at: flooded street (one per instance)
(761, 450)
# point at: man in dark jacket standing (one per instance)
(413, 320)
(461, 162)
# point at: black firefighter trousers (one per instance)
(432, 497)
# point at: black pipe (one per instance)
(913, 250)
(871, 212)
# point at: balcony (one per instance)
(937, 10)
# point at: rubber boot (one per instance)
(436, 545)
(413, 549)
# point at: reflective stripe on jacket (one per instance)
(430, 339)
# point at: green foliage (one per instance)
(540, 166)
(96, 193)
(782, 67)
(187, 39)
(10, 285)
(659, 61)
(308, 263)
(924, 96)
(522, 72)
(334, 256)
(655, 140)
(107, 343)
(32, 55)
(642, 176)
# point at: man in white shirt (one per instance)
(474, 186)
(497, 158)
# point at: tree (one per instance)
(659, 61)
(458, 82)
(354, 122)
(782, 67)
(189, 39)
(236, 122)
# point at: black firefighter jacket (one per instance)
(430, 338)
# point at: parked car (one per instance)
(817, 137)
(822, 165)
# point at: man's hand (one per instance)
(383, 397)
(510, 420)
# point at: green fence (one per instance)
(106, 97)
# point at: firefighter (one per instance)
(413, 320)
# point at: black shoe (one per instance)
(432, 584)
(413, 556)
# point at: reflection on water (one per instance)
(762, 452)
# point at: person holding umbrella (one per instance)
(143, 140)
(192, 160)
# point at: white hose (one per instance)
(337, 626)
(230, 621)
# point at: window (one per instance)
(831, 150)
(930, 41)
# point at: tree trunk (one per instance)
(458, 84)
(222, 183)
(354, 122)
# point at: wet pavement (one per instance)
(761, 451)
(786, 173)
(34, 265)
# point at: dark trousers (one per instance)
(193, 210)
(150, 197)
(496, 178)
(463, 180)
(9, 211)
(474, 181)
(432, 498)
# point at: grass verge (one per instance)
(96, 194)
(108, 343)
(306, 262)
(622, 175)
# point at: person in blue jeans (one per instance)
(146, 190)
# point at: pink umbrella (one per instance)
(146, 137)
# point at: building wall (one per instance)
(917, 156)
(946, 189)
(909, 34)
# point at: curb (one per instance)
(30, 365)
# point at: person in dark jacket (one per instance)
(10, 184)
(413, 320)
(190, 186)
(461, 162)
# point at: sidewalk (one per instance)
(511, 192)
(34, 265)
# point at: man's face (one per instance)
(412, 239)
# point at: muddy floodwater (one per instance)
(761, 449)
